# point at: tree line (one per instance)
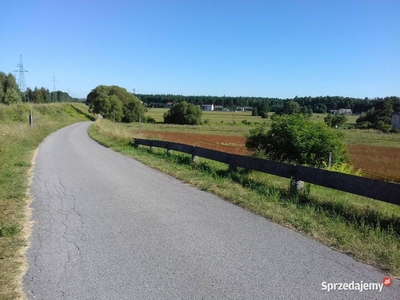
(10, 93)
(321, 104)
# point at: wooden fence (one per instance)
(375, 189)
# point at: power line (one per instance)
(21, 76)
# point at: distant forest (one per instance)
(321, 104)
(10, 93)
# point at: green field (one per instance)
(229, 117)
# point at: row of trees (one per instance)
(10, 93)
(115, 103)
(322, 104)
(289, 108)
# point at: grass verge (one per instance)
(18, 143)
(366, 229)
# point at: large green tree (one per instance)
(295, 139)
(183, 113)
(291, 107)
(377, 118)
(115, 103)
(9, 91)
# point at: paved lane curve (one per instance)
(108, 227)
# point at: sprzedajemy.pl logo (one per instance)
(357, 286)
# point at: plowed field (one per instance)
(229, 144)
(375, 161)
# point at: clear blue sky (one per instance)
(206, 47)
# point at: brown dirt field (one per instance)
(378, 162)
(374, 161)
(229, 144)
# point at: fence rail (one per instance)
(375, 189)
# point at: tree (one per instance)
(9, 91)
(335, 121)
(183, 113)
(115, 103)
(291, 107)
(378, 119)
(41, 95)
(294, 139)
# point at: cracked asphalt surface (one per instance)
(108, 227)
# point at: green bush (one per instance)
(335, 121)
(294, 139)
(183, 113)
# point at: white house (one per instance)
(396, 120)
(342, 111)
(208, 107)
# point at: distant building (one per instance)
(240, 108)
(208, 107)
(341, 111)
(396, 120)
(218, 107)
(169, 104)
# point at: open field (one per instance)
(18, 143)
(361, 227)
(230, 117)
(375, 153)
(377, 162)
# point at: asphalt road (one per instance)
(108, 227)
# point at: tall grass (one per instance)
(364, 228)
(18, 142)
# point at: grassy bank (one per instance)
(18, 142)
(364, 228)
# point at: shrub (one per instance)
(183, 113)
(294, 139)
(335, 121)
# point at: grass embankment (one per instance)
(18, 142)
(364, 228)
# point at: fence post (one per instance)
(232, 168)
(195, 158)
(296, 186)
(31, 119)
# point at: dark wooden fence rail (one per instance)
(375, 189)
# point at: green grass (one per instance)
(18, 142)
(364, 228)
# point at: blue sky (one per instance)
(233, 48)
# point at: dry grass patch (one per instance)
(380, 162)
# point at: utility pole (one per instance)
(21, 76)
